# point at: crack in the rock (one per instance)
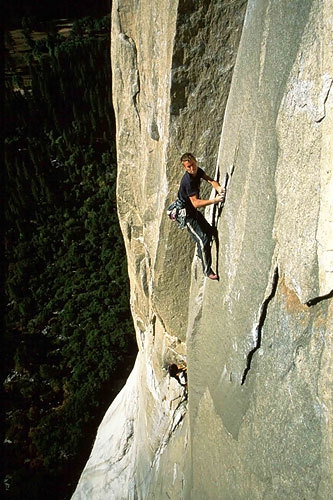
(327, 92)
(136, 85)
(177, 418)
(261, 322)
(315, 300)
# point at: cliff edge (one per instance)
(246, 87)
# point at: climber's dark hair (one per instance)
(187, 157)
(173, 370)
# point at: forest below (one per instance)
(68, 338)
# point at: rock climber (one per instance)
(178, 372)
(198, 227)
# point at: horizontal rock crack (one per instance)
(315, 300)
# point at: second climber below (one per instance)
(198, 227)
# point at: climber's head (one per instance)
(189, 163)
(173, 370)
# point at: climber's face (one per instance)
(191, 167)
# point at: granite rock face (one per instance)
(247, 87)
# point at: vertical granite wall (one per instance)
(247, 87)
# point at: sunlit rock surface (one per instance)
(247, 87)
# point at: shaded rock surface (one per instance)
(248, 85)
